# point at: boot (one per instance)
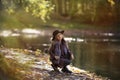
(65, 70)
(55, 68)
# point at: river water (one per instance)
(99, 54)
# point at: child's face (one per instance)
(59, 36)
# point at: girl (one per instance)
(60, 55)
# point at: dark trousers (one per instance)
(61, 62)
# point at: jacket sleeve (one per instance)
(71, 56)
(68, 50)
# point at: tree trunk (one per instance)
(19, 3)
(63, 6)
(1, 6)
(60, 6)
(56, 6)
(117, 9)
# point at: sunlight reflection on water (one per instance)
(5, 33)
(34, 33)
(30, 31)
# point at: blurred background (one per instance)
(92, 30)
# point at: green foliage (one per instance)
(39, 8)
(9, 6)
(80, 11)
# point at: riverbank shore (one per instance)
(34, 65)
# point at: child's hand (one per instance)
(57, 57)
(72, 56)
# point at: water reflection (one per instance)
(5, 33)
(108, 34)
(71, 39)
(26, 31)
(30, 36)
(30, 31)
(15, 34)
(99, 57)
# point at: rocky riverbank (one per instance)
(34, 65)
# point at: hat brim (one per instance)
(62, 31)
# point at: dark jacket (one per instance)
(60, 49)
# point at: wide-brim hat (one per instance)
(56, 32)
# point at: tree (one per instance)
(117, 11)
(1, 6)
(39, 8)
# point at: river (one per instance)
(95, 52)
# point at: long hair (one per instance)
(63, 41)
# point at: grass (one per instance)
(7, 70)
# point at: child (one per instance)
(60, 55)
